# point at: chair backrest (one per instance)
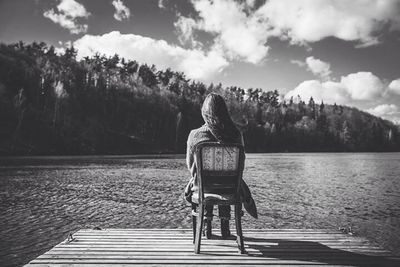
(219, 167)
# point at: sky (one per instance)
(337, 51)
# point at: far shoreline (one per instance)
(10, 159)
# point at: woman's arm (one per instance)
(189, 152)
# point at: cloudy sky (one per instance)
(340, 51)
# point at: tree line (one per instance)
(52, 103)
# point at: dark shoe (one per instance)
(225, 232)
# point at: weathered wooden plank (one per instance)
(256, 239)
(233, 244)
(211, 262)
(216, 235)
(175, 247)
(278, 262)
(102, 232)
(269, 243)
(206, 249)
(181, 265)
(167, 230)
(304, 240)
(305, 244)
(292, 244)
(271, 230)
(303, 256)
(135, 252)
(262, 242)
(186, 232)
(214, 232)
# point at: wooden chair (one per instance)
(219, 174)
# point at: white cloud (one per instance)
(394, 87)
(363, 85)
(243, 32)
(241, 29)
(250, 3)
(384, 110)
(66, 14)
(161, 4)
(121, 11)
(362, 89)
(60, 50)
(196, 63)
(236, 32)
(184, 27)
(304, 21)
(330, 92)
(360, 86)
(318, 67)
(73, 9)
(298, 63)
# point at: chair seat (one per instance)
(215, 198)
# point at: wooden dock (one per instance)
(174, 247)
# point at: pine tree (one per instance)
(345, 133)
(335, 108)
(321, 107)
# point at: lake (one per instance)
(42, 199)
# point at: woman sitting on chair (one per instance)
(218, 127)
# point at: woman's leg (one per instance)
(224, 212)
(209, 212)
(207, 220)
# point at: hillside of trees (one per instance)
(55, 104)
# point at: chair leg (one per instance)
(194, 221)
(199, 228)
(194, 227)
(239, 233)
(208, 228)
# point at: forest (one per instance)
(55, 104)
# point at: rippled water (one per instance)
(43, 199)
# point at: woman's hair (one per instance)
(216, 116)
